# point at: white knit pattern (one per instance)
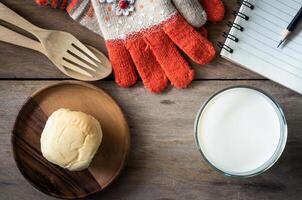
(147, 13)
(87, 21)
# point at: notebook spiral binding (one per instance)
(235, 25)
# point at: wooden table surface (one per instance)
(164, 162)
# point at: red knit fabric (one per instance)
(63, 4)
(41, 2)
(71, 5)
(152, 75)
(197, 47)
(174, 65)
(123, 67)
(53, 3)
(156, 56)
(203, 31)
(153, 52)
(214, 9)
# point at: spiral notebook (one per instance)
(253, 38)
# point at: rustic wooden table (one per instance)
(164, 162)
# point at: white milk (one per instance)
(239, 130)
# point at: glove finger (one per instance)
(174, 65)
(196, 46)
(192, 11)
(123, 67)
(148, 68)
(214, 9)
(63, 4)
(73, 4)
(203, 31)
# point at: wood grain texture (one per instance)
(17, 62)
(164, 162)
(57, 49)
(54, 180)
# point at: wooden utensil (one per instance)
(12, 37)
(108, 161)
(63, 49)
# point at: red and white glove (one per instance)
(143, 36)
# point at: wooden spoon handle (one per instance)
(8, 15)
(12, 37)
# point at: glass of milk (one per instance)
(241, 131)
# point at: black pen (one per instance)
(291, 26)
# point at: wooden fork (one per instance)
(12, 37)
(63, 49)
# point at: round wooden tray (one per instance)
(54, 180)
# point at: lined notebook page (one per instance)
(257, 46)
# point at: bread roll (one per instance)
(71, 139)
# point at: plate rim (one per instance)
(84, 84)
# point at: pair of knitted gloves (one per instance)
(142, 36)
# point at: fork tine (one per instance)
(75, 68)
(83, 56)
(74, 59)
(83, 48)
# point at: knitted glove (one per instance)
(142, 33)
(214, 9)
(85, 14)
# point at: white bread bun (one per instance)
(71, 139)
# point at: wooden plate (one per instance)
(54, 180)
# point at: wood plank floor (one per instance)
(164, 162)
